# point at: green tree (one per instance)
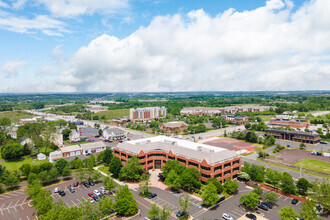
(12, 150)
(109, 183)
(172, 165)
(91, 161)
(46, 166)
(302, 186)
(209, 194)
(287, 183)
(308, 211)
(61, 164)
(32, 178)
(271, 197)
(96, 176)
(153, 212)
(81, 175)
(287, 213)
(216, 183)
(132, 170)
(172, 180)
(321, 193)
(164, 213)
(144, 184)
(4, 124)
(258, 191)
(106, 205)
(273, 176)
(47, 133)
(230, 186)
(100, 132)
(250, 200)
(184, 203)
(125, 203)
(302, 146)
(33, 189)
(43, 202)
(107, 156)
(25, 169)
(66, 133)
(269, 140)
(76, 163)
(247, 125)
(190, 178)
(66, 172)
(11, 180)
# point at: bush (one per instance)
(12, 150)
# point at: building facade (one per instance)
(235, 119)
(301, 124)
(153, 153)
(114, 134)
(298, 136)
(148, 113)
(171, 127)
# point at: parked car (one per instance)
(251, 216)
(91, 195)
(153, 195)
(56, 190)
(91, 200)
(72, 190)
(91, 182)
(227, 217)
(268, 204)
(180, 214)
(96, 192)
(294, 201)
(76, 184)
(102, 191)
(86, 184)
(323, 142)
(264, 207)
(61, 193)
(96, 198)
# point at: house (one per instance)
(89, 132)
(94, 147)
(113, 134)
(57, 138)
(25, 140)
(41, 156)
(54, 156)
(70, 151)
(74, 136)
(13, 135)
(171, 127)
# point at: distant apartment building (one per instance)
(96, 108)
(29, 120)
(171, 127)
(300, 124)
(298, 136)
(230, 109)
(235, 119)
(148, 113)
(153, 153)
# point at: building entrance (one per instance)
(158, 164)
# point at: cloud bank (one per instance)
(269, 48)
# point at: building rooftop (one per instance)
(293, 132)
(92, 145)
(115, 130)
(174, 124)
(187, 149)
(70, 148)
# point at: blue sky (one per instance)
(53, 46)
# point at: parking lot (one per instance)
(14, 205)
(73, 199)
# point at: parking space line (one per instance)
(286, 198)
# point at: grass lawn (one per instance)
(83, 142)
(16, 116)
(15, 165)
(315, 165)
(266, 118)
(112, 114)
(105, 169)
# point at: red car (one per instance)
(91, 195)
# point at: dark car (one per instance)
(72, 190)
(323, 142)
(251, 216)
(180, 214)
(96, 198)
(264, 207)
(294, 201)
(61, 193)
(91, 182)
(86, 184)
(76, 184)
(268, 204)
(153, 195)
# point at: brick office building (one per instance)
(279, 122)
(172, 126)
(299, 136)
(155, 151)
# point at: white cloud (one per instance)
(19, 4)
(269, 48)
(44, 23)
(10, 68)
(73, 8)
(3, 4)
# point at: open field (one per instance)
(315, 165)
(112, 114)
(16, 116)
(15, 164)
(266, 118)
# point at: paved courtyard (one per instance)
(291, 156)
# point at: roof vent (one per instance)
(174, 143)
(199, 148)
(148, 141)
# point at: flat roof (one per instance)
(92, 145)
(184, 148)
(70, 148)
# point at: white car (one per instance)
(96, 192)
(91, 200)
(56, 190)
(227, 217)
